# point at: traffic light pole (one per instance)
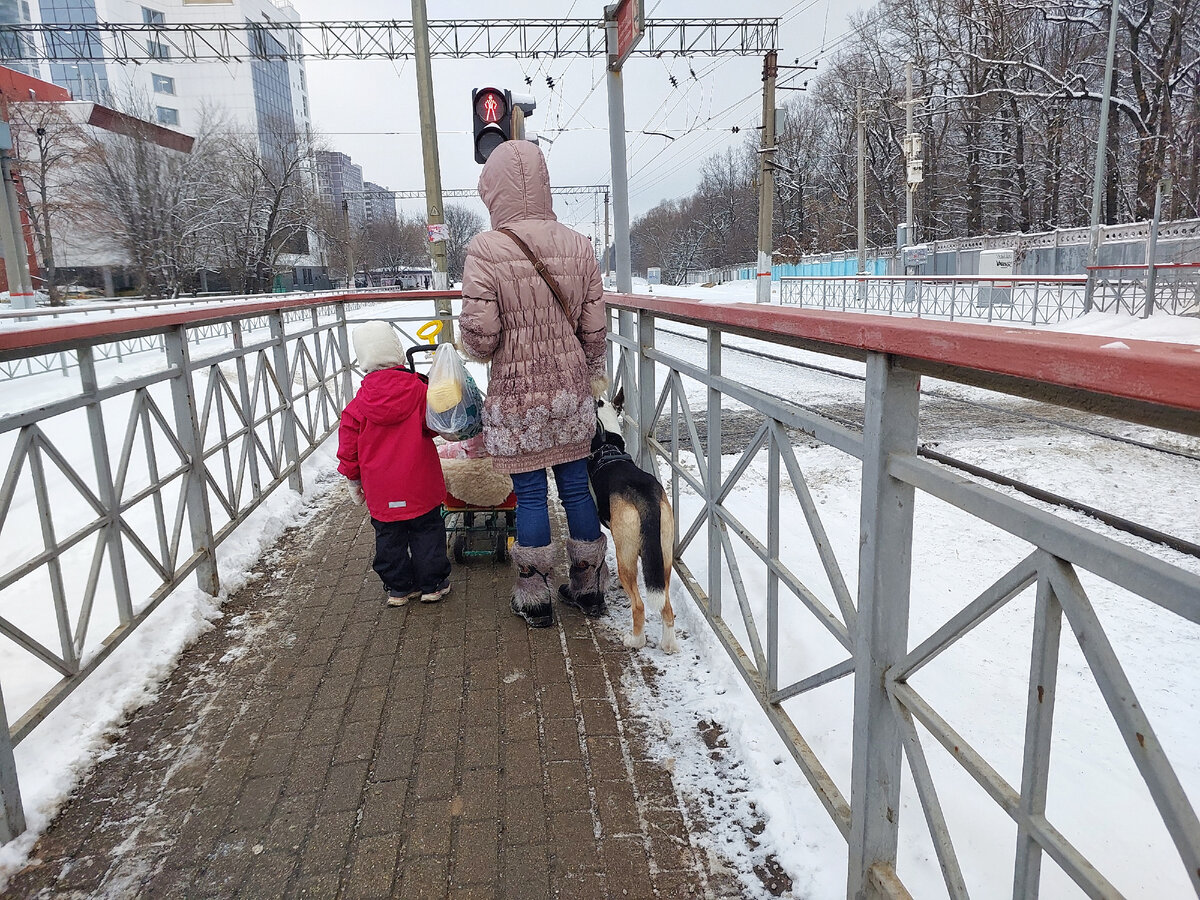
(433, 172)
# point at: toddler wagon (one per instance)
(479, 509)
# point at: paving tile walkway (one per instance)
(319, 744)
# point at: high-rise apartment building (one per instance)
(262, 95)
(378, 203)
(339, 178)
(16, 12)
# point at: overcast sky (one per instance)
(369, 109)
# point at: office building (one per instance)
(16, 12)
(259, 95)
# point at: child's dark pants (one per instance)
(411, 554)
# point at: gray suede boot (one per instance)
(535, 572)
(589, 576)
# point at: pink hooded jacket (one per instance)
(539, 410)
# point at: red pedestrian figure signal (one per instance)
(492, 109)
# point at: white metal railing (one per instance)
(1172, 289)
(115, 494)
(1039, 301)
(892, 721)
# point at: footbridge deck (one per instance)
(320, 744)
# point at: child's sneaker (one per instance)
(435, 596)
(396, 598)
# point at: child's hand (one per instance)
(356, 492)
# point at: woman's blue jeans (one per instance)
(533, 518)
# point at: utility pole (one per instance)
(607, 251)
(862, 191)
(1101, 155)
(910, 187)
(433, 171)
(766, 181)
(350, 279)
(1162, 192)
(620, 172)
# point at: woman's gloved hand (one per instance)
(599, 386)
(356, 492)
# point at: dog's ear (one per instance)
(618, 401)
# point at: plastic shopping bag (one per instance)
(453, 403)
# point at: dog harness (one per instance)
(607, 454)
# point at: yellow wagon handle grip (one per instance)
(430, 331)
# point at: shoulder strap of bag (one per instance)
(541, 269)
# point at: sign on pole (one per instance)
(630, 25)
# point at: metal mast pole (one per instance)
(766, 182)
(620, 175)
(350, 267)
(607, 241)
(12, 250)
(910, 189)
(862, 193)
(16, 263)
(1101, 154)
(429, 149)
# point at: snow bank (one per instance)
(59, 753)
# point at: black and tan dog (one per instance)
(634, 508)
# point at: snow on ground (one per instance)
(58, 753)
(1097, 797)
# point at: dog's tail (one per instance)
(658, 542)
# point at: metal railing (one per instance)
(1041, 301)
(1169, 288)
(1153, 384)
(115, 495)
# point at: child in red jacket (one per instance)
(388, 454)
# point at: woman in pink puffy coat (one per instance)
(547, 367)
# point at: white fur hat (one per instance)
(377, 346)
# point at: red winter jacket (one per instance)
(383, 442)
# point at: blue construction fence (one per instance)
(829, 267)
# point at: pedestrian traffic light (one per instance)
(492, 109)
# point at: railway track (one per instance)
(927, 449)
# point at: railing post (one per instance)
(283, 374)
(609, 367)
(646, 392)
(881, 638)
(187, 429)
(104, 485)
(712, 429)
(12, 816)
(343, 337)
(627, 328)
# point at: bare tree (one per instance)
(269, 187)
(462, 224)
(393, 245)
(47, 145)
(159, 205)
